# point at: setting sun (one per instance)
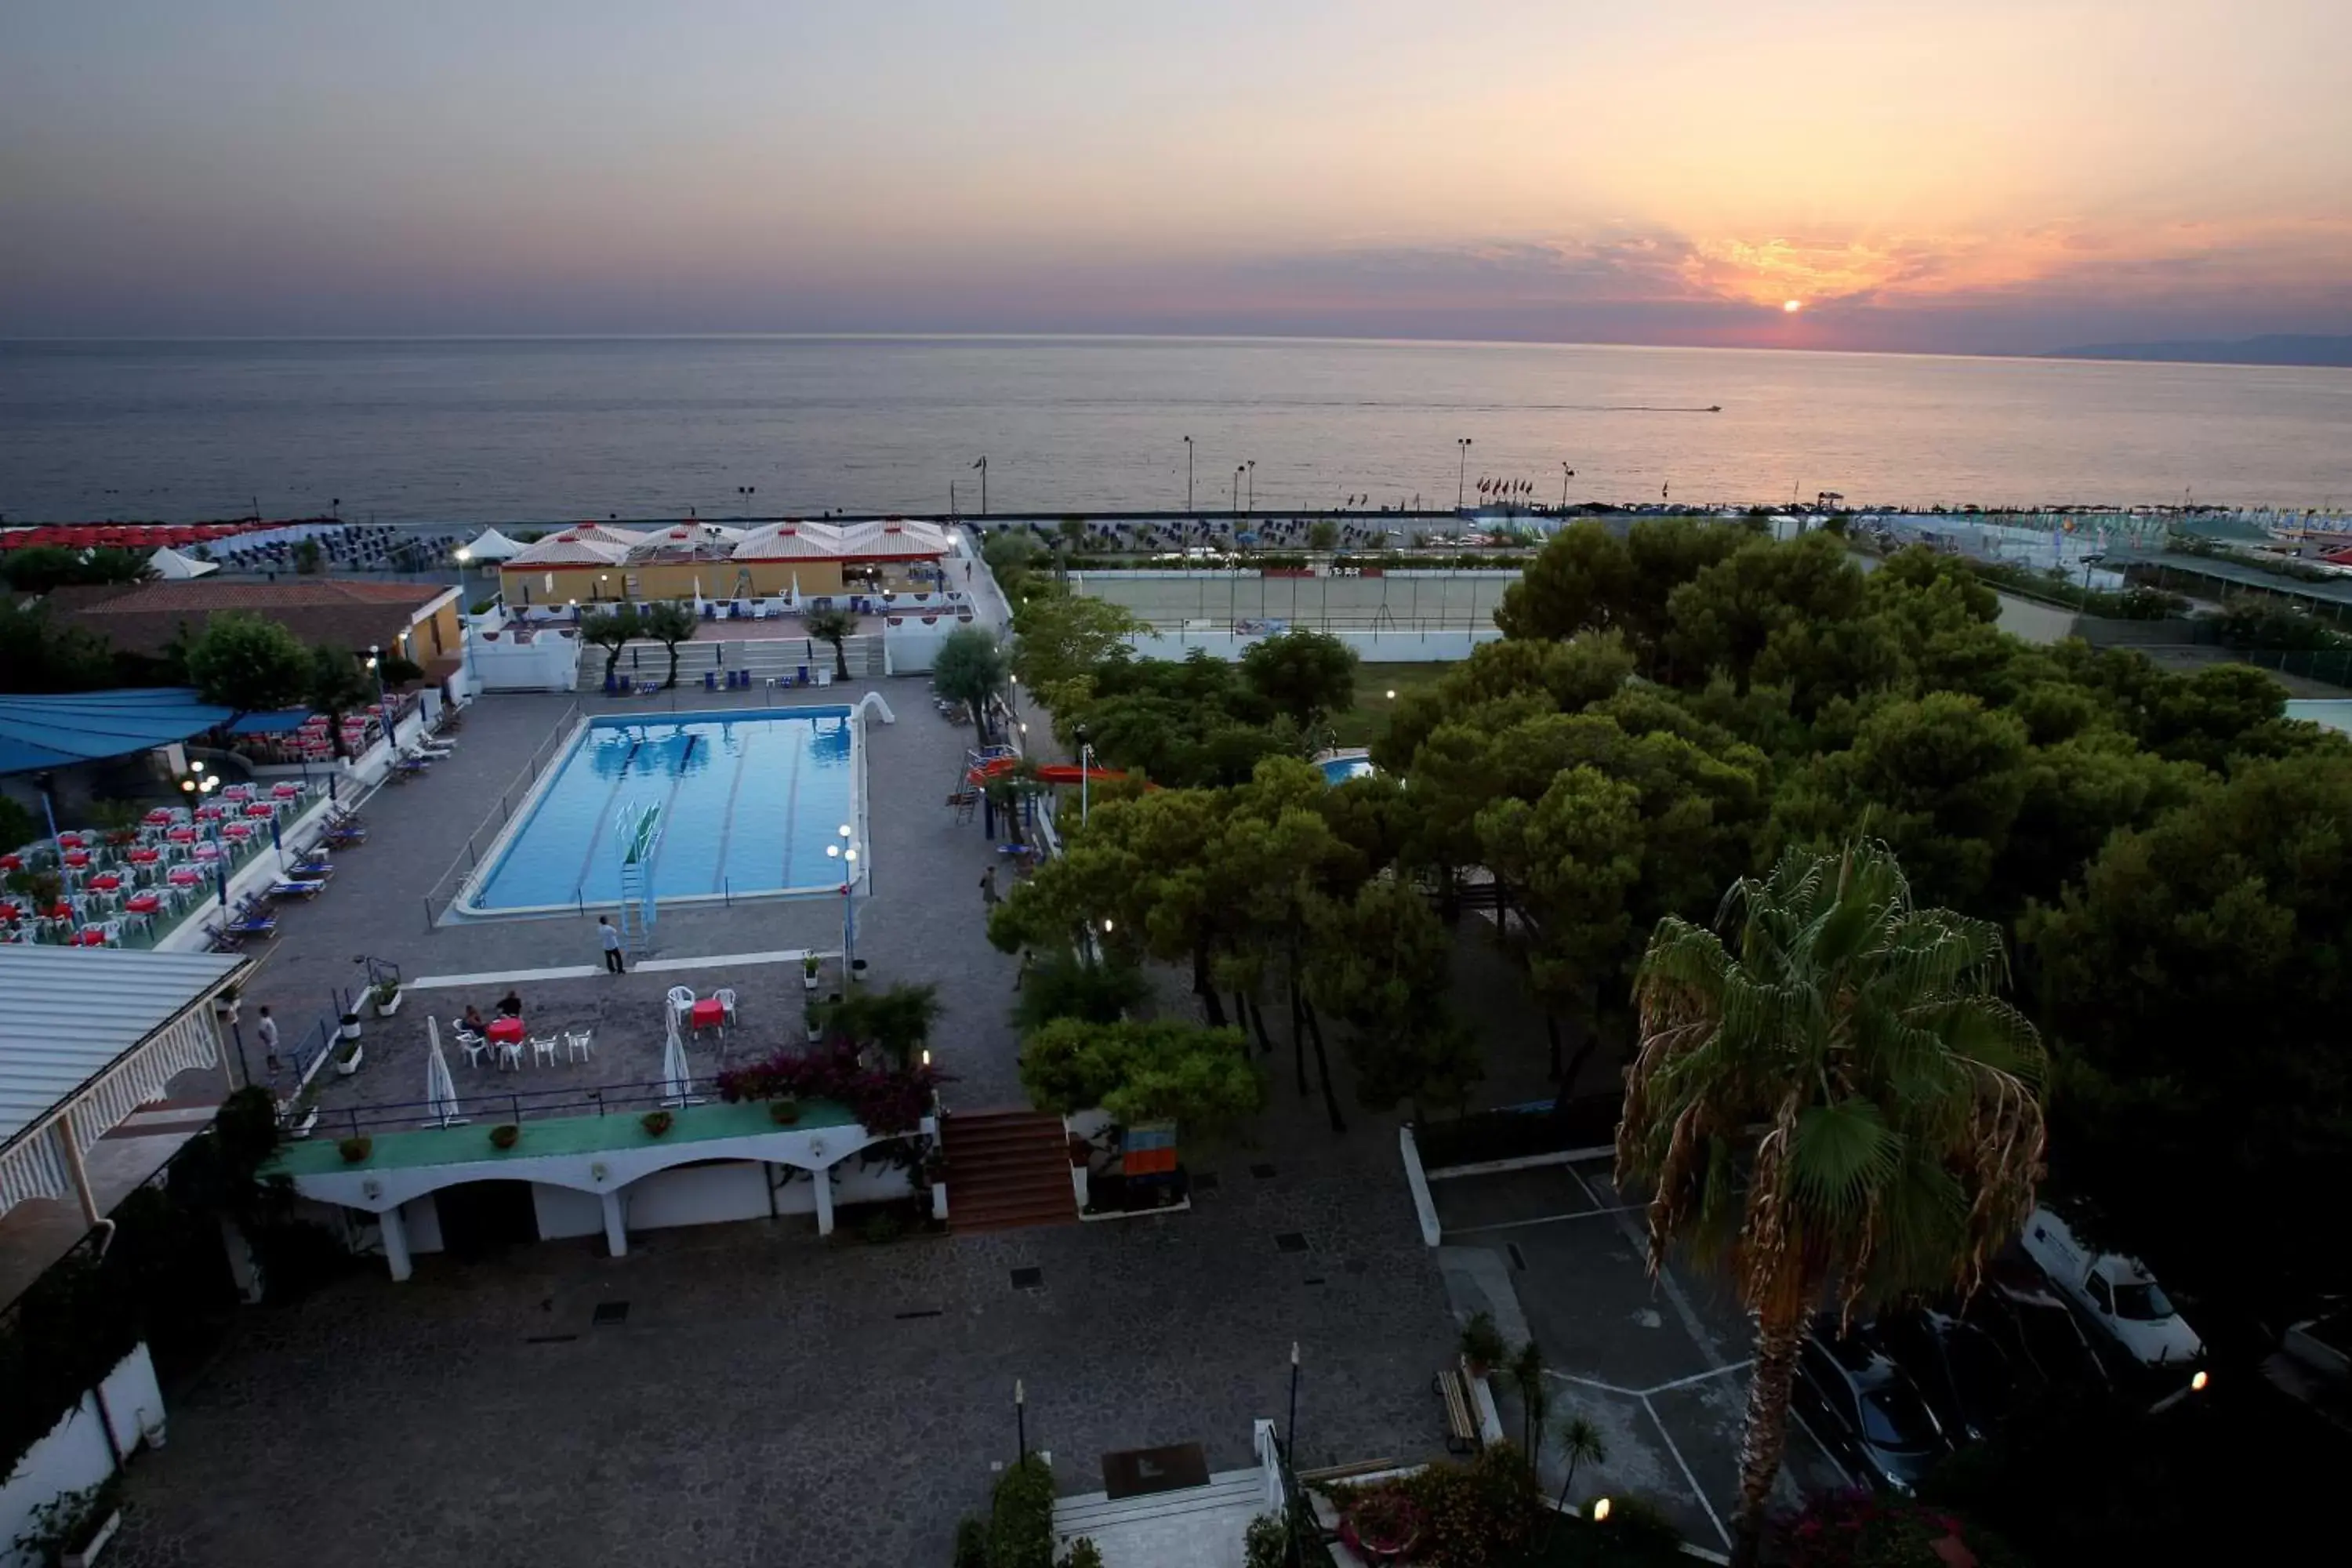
(1792, 306)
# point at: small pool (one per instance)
(748, 803)
(1339, 770)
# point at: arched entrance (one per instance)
(479, 1218)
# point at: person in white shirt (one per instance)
(268, 1029)
(611, 938)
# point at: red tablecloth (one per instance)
(143, 903)
(211, 813)
(77, 856)
(181, 835)
(159, 816)
(105, 882)
(12, 862)
(146, 856)
(709, 1013)
(8, 911)
(207, 851)
(261, 808)
(286, 791)
(185, 875)
(237, 830)
(69, 840)
(61, 911)
(506, 1031)
(90, 936)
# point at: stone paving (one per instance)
(923, 920)
(773, 1399)
(766, 1401)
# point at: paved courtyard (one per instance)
(770, 1397)
(922, 922)
(1659, 1367)
(775, 1399)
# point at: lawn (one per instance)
(1369, 720)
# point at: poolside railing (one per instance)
(507, 1105)
(445, 892)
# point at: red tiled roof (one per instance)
(319, 610)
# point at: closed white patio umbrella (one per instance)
(440, 1089)
(677, 1075)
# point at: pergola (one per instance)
(87, 1036)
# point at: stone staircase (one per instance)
(1008, 1170)
(1197, 1527)
(765, 658)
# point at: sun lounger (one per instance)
(290, 888)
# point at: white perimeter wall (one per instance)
(686, 1194)
(1372, 647)
(74, 1455)
(550, 662)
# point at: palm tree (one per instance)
(1534, 1400)
(1839, 1105)
(833, 627)
(1579, 1444)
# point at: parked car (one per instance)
(2116, 1294)
(1863, 1408)
(1962, 1373)
(2043, 1341)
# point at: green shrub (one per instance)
(970, 1544)
(1021, 1517)
(1482, 1341)
(1083, 1553)
(1266, 1543)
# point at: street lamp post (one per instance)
(1462, 474)
(391, 721)
(1290, 1432)
(1021, 1419)
(1086, 761)
(846, 852)
(1566, 474)
(465, 584)
(982, 466)
(1187, 473)
(1239, 470)
(1252, 484)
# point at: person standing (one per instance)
(988, 888)
(268, 1029)
(611, 938)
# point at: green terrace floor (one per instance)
(470, 1143)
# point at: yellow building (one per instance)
(597, 563)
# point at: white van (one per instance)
(2118, 1294)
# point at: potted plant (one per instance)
(224, 1005)
(355, 1149)
(1381, 1526)
(347, 1060)
(810, 965)
(503, 1135)
(386, 996)
(784, 1110)
(814, 1018)
(1481, 1344)
(351, 1025)
(656, 1123)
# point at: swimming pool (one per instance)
(748, 804)
(1349, 765)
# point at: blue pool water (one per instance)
(748, 803)
(1339, 770)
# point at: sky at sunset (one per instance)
(1999, 177)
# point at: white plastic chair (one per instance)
(726, 1000)
(510, 1056)
(472, 1044)
(681, 1000)
(578, 1045)
(542, 1050)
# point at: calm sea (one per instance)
(495, 429)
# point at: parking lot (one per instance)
(1658, 1366)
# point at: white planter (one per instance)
(808, 981)
(346, 1066)
(386, 1009)
(89, 1554)
(815, 1033)
(938, 1200)
(350, 1028)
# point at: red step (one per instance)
(1007, 1169)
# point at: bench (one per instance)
(1462, 1435)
